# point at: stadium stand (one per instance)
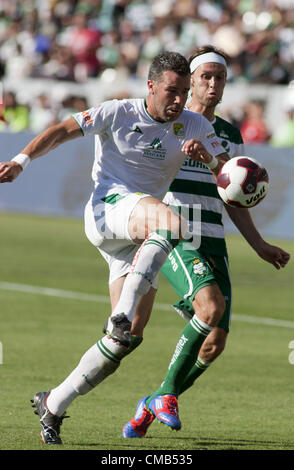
(93, 50)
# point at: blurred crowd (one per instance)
(77, 40)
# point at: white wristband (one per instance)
(213, 164)
(22, 159)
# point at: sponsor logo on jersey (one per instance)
(87, 117)
(182, 341)
(179, 130)
(155, 150)
(173, 262)
(193, 166)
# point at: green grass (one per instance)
(244, 402)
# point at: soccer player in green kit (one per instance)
(200, 274)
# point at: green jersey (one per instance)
(195, 185)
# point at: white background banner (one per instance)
(60, 183)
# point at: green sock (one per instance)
(199, 367)
(185, 355)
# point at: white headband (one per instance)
(207, 57)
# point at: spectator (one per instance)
(17, 65)
(258, 34)
(16, 115)
(83, 42)
(77, 40)
(253, 128)
(58, 65)
(42, 114)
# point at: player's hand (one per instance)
(9, 171)
(196, 151)
(273, 254)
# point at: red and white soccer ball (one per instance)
(242, 182)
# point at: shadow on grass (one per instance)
(188, 443)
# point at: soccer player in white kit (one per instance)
(139, 147)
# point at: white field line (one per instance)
(48, 291)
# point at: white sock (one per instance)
(101, 360)
(147, 263)
(61, 397)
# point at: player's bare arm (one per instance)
(197, 151)
(40, 145)
(270, 253)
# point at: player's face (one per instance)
(207, 83)
(168, 96)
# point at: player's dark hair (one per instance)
(168, 61)
(204, 49)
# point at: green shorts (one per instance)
(188, 271)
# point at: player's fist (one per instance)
(9, 171)
(196, 151)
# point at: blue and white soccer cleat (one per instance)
(165, 409)
(138, 426)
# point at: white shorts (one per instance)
(106, 227)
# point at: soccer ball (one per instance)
(242, 182)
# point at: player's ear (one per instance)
(150, 85)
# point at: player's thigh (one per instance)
(209, 303)
(150, 214)
(107, 220)
(188, 271)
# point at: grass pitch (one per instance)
(243, 402)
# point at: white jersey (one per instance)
(134, 152)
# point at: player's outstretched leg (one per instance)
(50, 423)
(138, 426)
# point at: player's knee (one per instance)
(212, 311)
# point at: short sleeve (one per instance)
(95, 120)
(210, 140)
